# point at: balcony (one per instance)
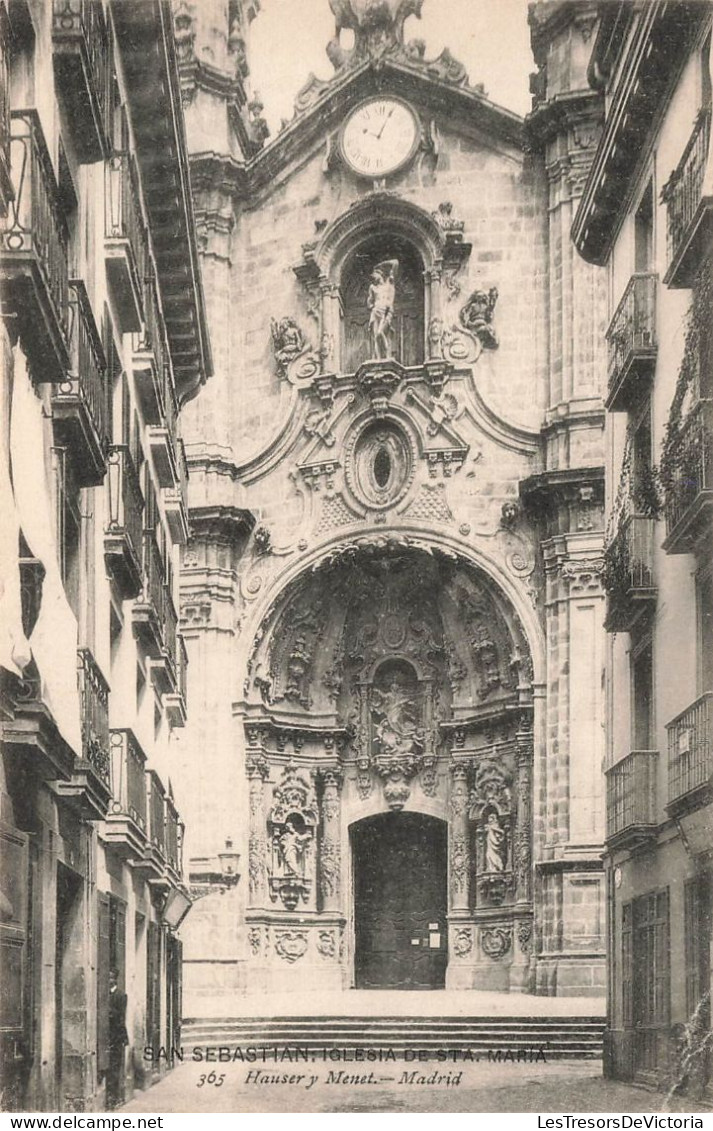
(126, 244)
(690, 757)
(31, 738)
(6, 191)
(149, 612)
(82, 67)
(631, 339)
(153, 863)
(175, 500)
(175, 702)
(89, 788)
(123, 535)
(688, 501)
(80, 403)
(173, 840)
(33, 242)
(163, 668)
(628, 573)
(126, 825)
(150, 355)
(631, 799)
(163, 438)
(689, 219)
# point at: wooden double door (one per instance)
(400, 901)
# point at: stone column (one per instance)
(257, 772)
(458, 835)
(522, 849)
(330, 853)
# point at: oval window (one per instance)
(382, 467)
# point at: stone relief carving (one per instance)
(295, 357)
(290, 945)
(463, 942)
(524, 935)
(476, 317)
(255, 940)
(292, 824)
(496, 941)
(327, 944)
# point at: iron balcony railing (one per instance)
(632, 330)
(154, 592)
(172, 837)
(79, 29)
(683, 190)
(631, 794)
(157, 812)
(94, 706)
(170, 632)
(181, 667)
(129, 779)
(88, 377)
(34, 227)
(81, 402)
(692, 470)
(5, 181)
(123, 217)
(126, 501)
(690, 748)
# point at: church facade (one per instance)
(391, 597)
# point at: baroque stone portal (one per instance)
(387, 680)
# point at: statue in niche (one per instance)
(396, 717)
(294, 845)
(495, 843)
(380, 302)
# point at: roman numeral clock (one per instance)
(379, 137)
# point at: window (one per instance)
(704, 616)
(406, 332)
(644, 231)
(644, 493)
(642, 695)
(69, 526)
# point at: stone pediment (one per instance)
(323, 105)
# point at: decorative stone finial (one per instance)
(378, 27)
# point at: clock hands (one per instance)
(383, 126)
(385, 122)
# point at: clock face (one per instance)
(379, 137)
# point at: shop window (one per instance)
(386, 271)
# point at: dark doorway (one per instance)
(70, 1009)
(400, 903)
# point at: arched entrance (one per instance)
(387, 684)
(399, 863)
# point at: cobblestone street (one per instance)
(562, 1086)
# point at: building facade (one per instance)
(391, 596)
(646, 218)
(103, 343)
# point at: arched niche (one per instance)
(375, 229)
(334, 626)
(407, 329)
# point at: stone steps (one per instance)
(559, 1037)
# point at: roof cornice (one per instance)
(655, 53)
